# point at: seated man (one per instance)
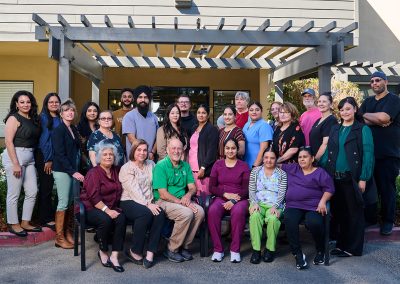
(172, 177)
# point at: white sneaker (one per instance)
(217, 256)
(235, 257)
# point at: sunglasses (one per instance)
(376, 80)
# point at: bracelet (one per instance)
(233, 201)
(104, 208)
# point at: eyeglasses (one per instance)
(54, 103)
(376, 80)
(184, 103)
(105, 118)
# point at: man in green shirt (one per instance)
(174, 186)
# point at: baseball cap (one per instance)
(379, 74)
(308, 91)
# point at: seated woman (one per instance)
(267, 189)
(229, 182)
(137, 202)
(309, 188)
(100, 195)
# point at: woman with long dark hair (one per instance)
(349, 160)
(49, 119)
(171, 129)
(86, 126)
(21, 135)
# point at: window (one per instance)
(222, 99)
(7, 90)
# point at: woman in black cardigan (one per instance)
(203, 149)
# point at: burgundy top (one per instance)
(242, 118)
(98, 187)
(230, 180)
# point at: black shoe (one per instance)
(173, 256)
(21, 234)
(336, 251)
(255, 257)
(108, 262)
(301, 262)
(186, 255)
(34, 229)
(51, 227)
(386, 229)
(268, 256)
(117, 268)
(128, 254)
(319, 258)
(344, 254)
(147, 263)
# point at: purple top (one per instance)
(305, 191)
(231, 180)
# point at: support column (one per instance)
(279, 91)
(64, 79)
(96, 91)
(324, 77)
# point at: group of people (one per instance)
(282, 170)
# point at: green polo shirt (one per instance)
(174, 179)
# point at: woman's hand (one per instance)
(47, 167)
(154, 208)
(78, 176)
(275, 212)
(234, 196)
(228, 205)
(254, 208)
(361, 185)
(112, 213)
(322, 208)
(17, 170)
(201, 173)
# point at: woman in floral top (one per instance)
(267, 189)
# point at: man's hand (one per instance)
(186, 199)
(193, 207)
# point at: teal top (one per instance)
(341, 162)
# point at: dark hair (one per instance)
(32, 112)
(235, 142)
(169, 130)
(328, 95)
(307, 149)
(143, 89)
(232, 108)
(83, 125)
(270, 149)
(135, 145)
(127, 90)
(206, 108)
(257, 103)
(183, 96)
(45, 110)
(351, 101)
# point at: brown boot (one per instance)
(69, 225)
(60, 239)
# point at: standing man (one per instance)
(118, 115)
(242, 100)
(174, 187)
(382, 113)
(141, 123)
(188, 120)
(311, 115)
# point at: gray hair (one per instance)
(243, 95)
(104, 145)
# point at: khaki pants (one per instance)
(186, 224)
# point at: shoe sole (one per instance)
(172, 260)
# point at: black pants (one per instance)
(46, 182)
(385, 173)
(314, 223)
(107, 227)
(349, 215)
(144, 221)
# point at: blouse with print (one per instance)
(98, 136)
(291, 137)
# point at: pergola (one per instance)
(289, 53)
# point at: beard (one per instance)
(127, 105)
(308, 103)
(143, 109)
(378, 91)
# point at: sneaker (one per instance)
(301, 262)
(268, 256)
(255, 257)
(319, 258)
(386, 229)
(173, 256)
(186, 255)
(217, 256)
(235, 257)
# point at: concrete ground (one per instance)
(47, 264)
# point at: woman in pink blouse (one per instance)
(137, 202)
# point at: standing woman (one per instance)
(203, 149)
(105, 133)
(258, 134)
(288, 137)
(231, 130)
(274, 110)
(171, 129)
(49, 119)
(319, 134)
(21, 135)
(87, 125)
(66, 158)
(350, 160)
